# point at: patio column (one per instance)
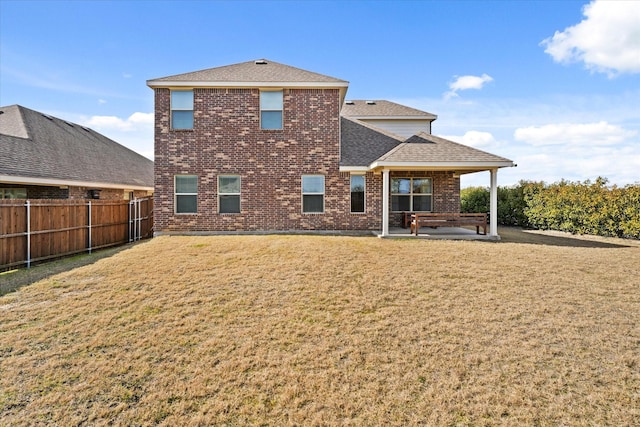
(385, 202)
(493, 209)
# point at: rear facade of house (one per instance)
(262, 146)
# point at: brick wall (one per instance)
(227, 139)
(446, 192)
(51, 192)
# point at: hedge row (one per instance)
(577, 207)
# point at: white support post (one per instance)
(385, 202)
(493, 211)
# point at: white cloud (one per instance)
(134, 122)
(582, 134)
(474, 138)
(102, 101)
(576, 137)
(134, 132)
(607, 40)
(467, 82)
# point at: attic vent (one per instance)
(349, 102)
(70, 124)
(47, 116)
(86, 128)
(261, 62)
(371, 102)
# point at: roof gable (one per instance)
(36, 145)
(428, 148)
(249, 73)
(366, 146)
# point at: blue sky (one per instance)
(552, 85)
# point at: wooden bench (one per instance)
(435, 220)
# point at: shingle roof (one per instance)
(424, 147)
(257, 71)
(36, 145)
(381, 108)
(362, 143)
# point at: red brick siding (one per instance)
(227, 139)
(52, 192)
(446, 192)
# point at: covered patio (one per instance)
(423, 154)
(439, 233)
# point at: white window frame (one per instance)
(364, 193)
(313, 193)
(176, 194)
(177, 108)
(220, 194)
(264, 109)
(411, 194)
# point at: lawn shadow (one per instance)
(556, 238)
(15, 279)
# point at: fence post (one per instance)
(139, 209)
(28, 206)
(89, 209)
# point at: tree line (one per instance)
(587, 207)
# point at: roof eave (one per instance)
(55, 182)
(466, 166)
(392, 117)
(209, 84)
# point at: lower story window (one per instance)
(357, 193)
(13, 193)
(229, 194)
(411, 194)
(186, 196)
(312, 193)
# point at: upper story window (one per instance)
(186, 194)
(229, 193)
(357, 193)
(271, 109)
(411, 194)
(181, 109)
(312, 193)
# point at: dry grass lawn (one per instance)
(536, 330)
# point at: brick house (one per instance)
(265, 147)
(44, 157)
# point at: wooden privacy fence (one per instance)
(37, 230)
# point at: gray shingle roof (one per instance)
(380, 108)
(250, 72)
(362, 144)
(424, 147)
(36, 145)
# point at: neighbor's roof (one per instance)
(261, 72)
(37, 148)
(365, 147)
(382, 109)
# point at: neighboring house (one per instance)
(263, 146)
(43, 157)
